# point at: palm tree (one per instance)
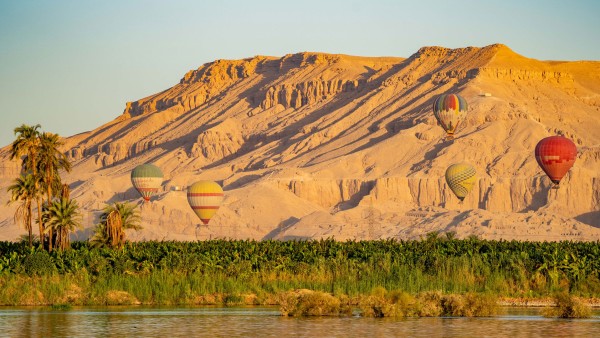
(26, 147)
(62, 216)
(24, 190)
(50, 161)
(114, 220)
(26, 144)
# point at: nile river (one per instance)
(266, 322)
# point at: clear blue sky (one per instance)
(71, 65)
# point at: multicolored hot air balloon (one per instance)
(146, 179)
(460, 178)
(556, 155)
(449, 110)
(205, 198)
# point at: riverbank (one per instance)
(304, 302)
(543, 302)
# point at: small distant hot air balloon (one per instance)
(460, 178)
(449, 110)
(146, 179)
(205, 198)
(556, 155)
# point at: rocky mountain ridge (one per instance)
(312, 145)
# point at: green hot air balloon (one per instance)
(146, 179)
(460, 178)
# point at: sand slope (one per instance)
(315, 145)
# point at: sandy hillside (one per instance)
(315, 145)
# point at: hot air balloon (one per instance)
(460, 177)
(146, 179)
(449, 110)
(556, 155)
(205, 198)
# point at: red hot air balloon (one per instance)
(556, 155)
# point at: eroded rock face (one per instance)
(307, 93)
(328, 193)
(218, 142)
(197, 86)
(562, 78)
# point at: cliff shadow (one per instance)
(82, 234)
(76, 184)
(539, 199)
(461, 217)
(364, 190)
(242, 181)
(281, 228)
(430, 155)
(125, 196)
(590, 218)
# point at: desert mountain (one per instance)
(314, 145)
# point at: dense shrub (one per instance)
(39, 263)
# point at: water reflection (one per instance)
(266, 322)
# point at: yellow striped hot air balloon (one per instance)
(205, 198)
(460, 178)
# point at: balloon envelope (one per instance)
(555, 155)
(146, 179)
(205, 198)
(449, 110)
(460, 178)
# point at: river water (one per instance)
(266, 322)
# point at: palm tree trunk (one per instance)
(49, 190)
(29, 224)
(41, 225)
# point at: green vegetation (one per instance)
(435, 276)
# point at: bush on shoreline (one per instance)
(567, 306)
(382, 303)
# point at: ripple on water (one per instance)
(266, 322)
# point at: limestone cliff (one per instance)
(349, 144)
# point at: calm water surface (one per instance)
(266, 322)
